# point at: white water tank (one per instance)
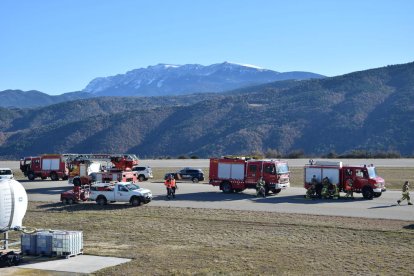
(13, 204)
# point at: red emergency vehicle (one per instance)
(44, 166)
(360, 179)
(234, 174)
(87, 168)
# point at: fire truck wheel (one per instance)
(377, 194)
(65, 201)
(367, 192)
(31, 176)
(101, 200)
(226, 187)
(135, 201)
(276, 191)
(54, 176)
(70, 201)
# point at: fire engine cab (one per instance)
(235, 174)
(360, 179)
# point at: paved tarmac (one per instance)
(291, 200)
(73, 266)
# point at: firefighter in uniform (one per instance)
(349, 188)
(310, 192)
(325, 187)
(405, 193)
(260, 187)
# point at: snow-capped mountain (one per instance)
(170, 79)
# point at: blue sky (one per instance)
(59, 46)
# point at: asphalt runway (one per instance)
(291, 200)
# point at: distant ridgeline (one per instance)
(367, 113)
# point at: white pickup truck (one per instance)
(103, 193)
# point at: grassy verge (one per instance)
(181, 241)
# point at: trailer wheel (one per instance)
(31, 176)
(377, 194)
(101, 200)
(226, 187)
(367, 192)
(54, 176)
(135, 201)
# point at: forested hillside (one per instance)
(369, 110)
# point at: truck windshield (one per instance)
(132, 187)
(282, 168)
(372, 172)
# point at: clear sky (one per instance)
(58, 46)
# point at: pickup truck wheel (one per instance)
(54, 176)
(226, 187)
(377, 194)
(367, 192)
(31, 176)
(135, 201)
(141, 178)
(195, 180)
(101, 200)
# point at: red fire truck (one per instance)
(361, 179)
(87, 168)
(234, 174)
(44, 166)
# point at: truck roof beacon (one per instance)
(13, 204)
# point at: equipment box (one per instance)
(67, 243)
(44, 243)
(28, 244)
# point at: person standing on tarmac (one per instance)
(405, 193)
(349, 188)
(170, 185)
(260, 187)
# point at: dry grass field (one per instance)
(185, 241)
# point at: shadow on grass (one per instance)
(83, 206)
(223, 197)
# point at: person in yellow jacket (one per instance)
(405, 193)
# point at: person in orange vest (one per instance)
(171, 186)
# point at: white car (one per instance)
(143, 172)
(6, 173)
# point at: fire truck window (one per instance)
(270, 169)
(359, 173)
(348, 172)
(253, 168)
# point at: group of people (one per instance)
(171, 186)
(326, 189)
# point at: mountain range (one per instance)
(160, 80)
(369, 110)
